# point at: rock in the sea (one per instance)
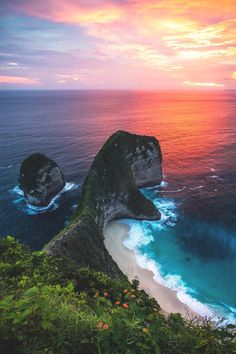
(110, 190)
(40, 179)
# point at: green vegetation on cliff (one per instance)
(110, 179)
(110, 190)
(111, 174)
(48, 305)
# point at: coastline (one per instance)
(115, 233)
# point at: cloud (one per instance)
(234, 75)
(202, 84)
(19, 80)
(70, 11)
(207, 54)
(221, 34)
(12, 64)
(174, 39)
(84, 76)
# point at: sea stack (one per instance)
(40, 179)
(110, 191)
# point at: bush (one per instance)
(49, 306)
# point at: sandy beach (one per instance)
(115, 233)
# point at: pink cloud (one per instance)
(179, 40)
(70, 11)
(19, 80)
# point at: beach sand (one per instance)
(115, 233)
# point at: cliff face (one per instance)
(110, 190)
(40, 179)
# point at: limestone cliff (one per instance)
(40, 179)
(110, 190)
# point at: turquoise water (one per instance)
(206, 285)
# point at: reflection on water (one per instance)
(197, 132)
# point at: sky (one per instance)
(118, 44)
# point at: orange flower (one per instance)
(125, 305)
(117, 303)
(100, 325)
(145, 330)
(105, 326)
(125, 291)
(106, 294)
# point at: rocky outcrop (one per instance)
(110, 190)
(40, 179)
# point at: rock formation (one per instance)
(40, 179)
(110, 190)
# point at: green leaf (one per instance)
(45, 324)
(4, 303)
(32, 291)
(202, 344)
(70, 287)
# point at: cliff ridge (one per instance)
(110, 191)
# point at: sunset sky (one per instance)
(118, 44)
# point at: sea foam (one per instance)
(141, 234)
(34, 210)
(138, 238)
(3, 168)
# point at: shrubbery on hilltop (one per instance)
(50, 306)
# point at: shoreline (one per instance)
(115, 233)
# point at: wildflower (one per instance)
(132, 290)
(106, 326)
(117, 303)
(97, 294)
(106, 294)
(100, 325)
(125, 291)
(145, 330)
(125, 306)
(132, 296)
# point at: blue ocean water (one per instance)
(193, 248)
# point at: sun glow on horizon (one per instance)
(202, 84)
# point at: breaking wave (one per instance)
(21, 202)
(143, 233)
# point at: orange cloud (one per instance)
(206, 54)
(170, 29)
(177, 38)
(220, 34)
(202, 10)
(19, 80)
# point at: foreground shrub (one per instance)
(49, 306)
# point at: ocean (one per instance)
(192, 249)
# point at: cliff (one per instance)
(110, 190)
(40, 179)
